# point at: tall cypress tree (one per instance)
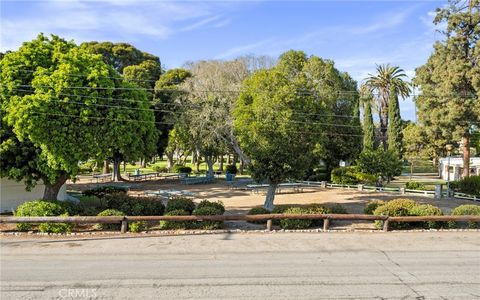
(394, 133)
(368, 127)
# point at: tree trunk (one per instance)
(242, 165)
(143, 163)
(228, 159)
(209, 160)
(466, 154)
(116, 176)
(384, 127)
(106, 167)
(169, 156)
(51, 190)
(221, 164)
(197, 163)
(272, 188)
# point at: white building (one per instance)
(454, 166)
(13, 193)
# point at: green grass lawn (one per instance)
(429, 183)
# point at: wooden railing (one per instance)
(124, 220)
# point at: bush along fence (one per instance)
(437, 193)
(123, 221)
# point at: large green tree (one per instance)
(386, 78)
(448, 106)
(368, 126)
(282, 117)
(395, 126)
(61, 105)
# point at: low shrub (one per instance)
(232, 169)
(337, 209)
(466, 210)
(176, 224)
(468, 185)
(90, 205)
(258, 210)
(208, 211)
(351, 175)
(107, 213)
(135, 206)
(180, 203)
(43, 208)
(217, 205)
(413, 185)
(371, 206)
(427, 210)
(407, 207)
(394, 208)
(182, 169)
(102, 191)
(280, 209)
(317, 209)
(295, 223)
(160, 169)
(137, 226)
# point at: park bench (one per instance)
(101, 177)
(143, 176)
(198, 180)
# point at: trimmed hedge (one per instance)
(182, 169)
(351, 175)
(467, 210)
(217, 205)
(107, 213)
(43, 208)
(296, 223)
(176, 224)
(336, 209)
(258, 210)
(468, 185)
(180, 203)
(103, 191)
(371, 206)
(406, 207)
(413, 185)
(206, 210)
(138, 226)
(135, 206)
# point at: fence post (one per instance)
(438, 191)
(385, 225)
(360, 187)
(326, 224)
(124, 226)
(323, 184)
(402, 190)
(269, 224)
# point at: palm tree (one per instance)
(380, 84)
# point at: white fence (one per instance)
(396, 190)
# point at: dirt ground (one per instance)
(240, 201)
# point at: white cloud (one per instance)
(109, 19)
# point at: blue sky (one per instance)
(355, 34)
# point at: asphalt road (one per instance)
(395, 265)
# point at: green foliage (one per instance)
(160, 169)
(281, 208)
(43, 208)
(317, 209)
(427, 210)
(218, 205)
(182, 169)
(180, 203)
(371, 206)
(258, 210)
(466, 210)
(407, 207)
(296, 223)
(232, 169)
(468, 185)
(337, 209)
(90, 206)
(135, 206)
(176, 224)
(413, 185)
(107, 213)
(395, 127)
(270, 113)
(209, 210)
(368, 126)
(380, 163)
(450, 80)
(137, 226)
(103, 191)
(351, 175)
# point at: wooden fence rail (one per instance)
(124, 220)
